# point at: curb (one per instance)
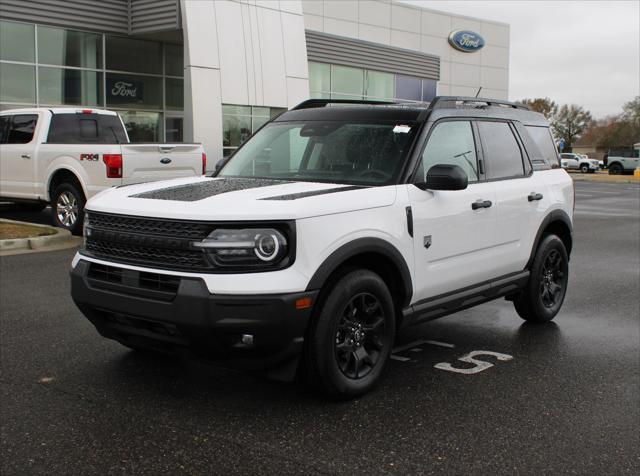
(60, 236)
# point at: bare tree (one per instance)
(570, 122)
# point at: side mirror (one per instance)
(444, 177)
(219, 164)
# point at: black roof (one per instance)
(440, 107)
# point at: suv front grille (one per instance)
(148, 242)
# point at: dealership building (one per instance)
(215, 71)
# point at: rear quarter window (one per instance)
(544, 140)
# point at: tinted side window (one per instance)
(22, 128)
(544, 140)
(502, 153)
(79, 128)
(450, 143)
(4, 126)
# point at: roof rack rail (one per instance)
(442, 102)
(312, 103)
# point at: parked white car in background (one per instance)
(64, 156)
(579, 162)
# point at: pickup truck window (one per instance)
(4, 126)
(83, 128)
(21, 128)
(451, 143)
(502, 153)
(318, 151)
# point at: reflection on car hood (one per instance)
(239, 199)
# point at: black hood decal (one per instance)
(296, 196)
(199, 191)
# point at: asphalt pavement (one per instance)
(562, 398)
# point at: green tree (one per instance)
(570, 122)
(545, 106)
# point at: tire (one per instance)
(584, 168)
(67, 207)
(351, 336)
(544, 294)
(615, 169)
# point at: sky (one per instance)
(578, 52)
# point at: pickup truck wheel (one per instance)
(584, 168)
(350, 339)
(67, 206)
(544, 294)
(615, 169)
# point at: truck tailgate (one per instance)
(151, 162)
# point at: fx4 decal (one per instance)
(91, 157)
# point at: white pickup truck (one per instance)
(64, 156)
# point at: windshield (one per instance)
(340, 152)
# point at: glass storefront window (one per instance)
(429, 87)
(173, 60)
(347, 83)
(69, 48)
(380, 85)
(173, 129)
(142, 126)
(17, 42)
(174, 94)
(57, 86)
(239, 122)
(134, 92)
(138, 56)
(17, 83)
(408, 87)
(319, 80)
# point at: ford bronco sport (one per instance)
(337, 224)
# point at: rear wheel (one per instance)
(615, 169)
(67, 206)
(544, 294)
(350, 340)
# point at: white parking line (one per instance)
(420, 342)
(397, 357)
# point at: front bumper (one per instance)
(179, 314)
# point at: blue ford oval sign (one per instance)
(465, 40)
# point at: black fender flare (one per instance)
(554, 216)
(360, 246)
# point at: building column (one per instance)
(202, 97)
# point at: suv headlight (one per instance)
(246, 247)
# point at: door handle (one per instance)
(534, 196)
(25, 156)
(481, 204)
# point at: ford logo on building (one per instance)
(465, 40)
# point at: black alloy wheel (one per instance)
(552, 279)
(542, 297)
(351, 335)
(360, 336)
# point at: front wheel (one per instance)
(67, 206)
(544, 294)
(350, 339)
(615, 169)
(584, 168)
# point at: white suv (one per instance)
(330, 229)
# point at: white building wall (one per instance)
(243, 52)
(406, 26)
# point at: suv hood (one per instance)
(208, 198)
